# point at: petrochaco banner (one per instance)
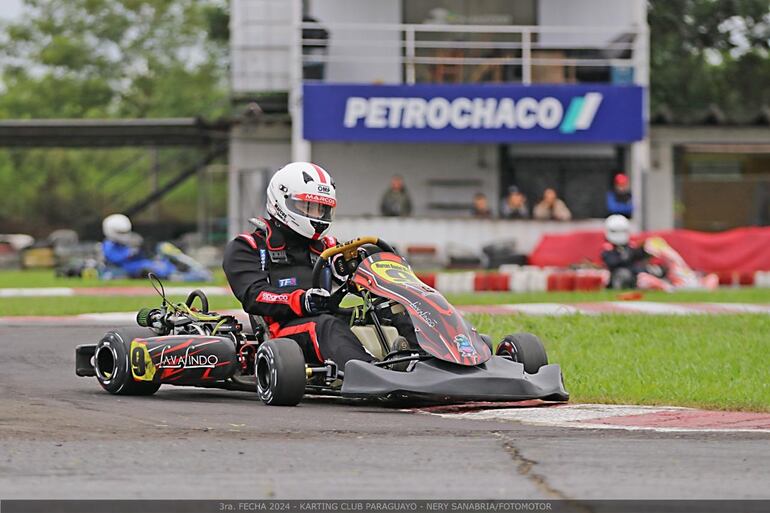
(473, 113)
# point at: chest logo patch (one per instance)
(287, 282)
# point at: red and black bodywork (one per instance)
(440, 329)
(183, 359)
(453, 362)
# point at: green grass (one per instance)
(722, 295)
(716, 362)
(46, 278)
(35, 278)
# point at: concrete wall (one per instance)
(363, 171)
(456, 236)
(256, 151)
(379, 51)
(659, 201)
(260, 45)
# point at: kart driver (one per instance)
(627, 261)
(122, 248)
(270, 269)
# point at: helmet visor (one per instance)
(312, 206)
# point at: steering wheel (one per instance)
(349, 252)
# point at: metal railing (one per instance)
(415, 47)
(467, 53)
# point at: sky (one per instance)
(10, 9)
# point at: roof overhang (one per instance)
(111, 132)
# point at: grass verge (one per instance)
(716, 362)
(722, 295)
(35, 278)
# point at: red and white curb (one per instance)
(631, 418)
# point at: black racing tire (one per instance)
(113, 371)
(280, 371)
(525, 348)
(488, 341)
(486, 338)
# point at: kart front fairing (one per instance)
(440, 329)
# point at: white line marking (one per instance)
(543, 309)
(653, 308)
(41, 292)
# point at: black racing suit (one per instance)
(268, 271)
(624, 263)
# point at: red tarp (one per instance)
(739, 250)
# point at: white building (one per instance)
(457, 96)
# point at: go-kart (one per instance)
(179, 344)
(174, 262)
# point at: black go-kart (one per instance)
(181, 344)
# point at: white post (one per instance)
(300, 148)
(526, 56)
(233, 184)
(639, 152)
(410, 55)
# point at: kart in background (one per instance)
(180, 266)
(178, 344)
(677, 275)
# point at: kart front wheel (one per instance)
(524, 348)
(112, 367)
(280, 370)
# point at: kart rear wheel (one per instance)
(280, 371)
(526, 349)
(111, 363)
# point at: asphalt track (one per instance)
(63, 437)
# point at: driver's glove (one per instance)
(315, 301)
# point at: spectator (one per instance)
(619, 198)
(551, 208)
(395, 202)
(514, 206)
(481, 206)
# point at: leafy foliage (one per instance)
(101, 59)
(709, 52)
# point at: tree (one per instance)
(133, 58)
(709, 52)
(95, 59)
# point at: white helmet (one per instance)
(302, 196)
(117, 227)
(617, 230)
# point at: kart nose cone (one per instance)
(498, 379)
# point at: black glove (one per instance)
(315, 301)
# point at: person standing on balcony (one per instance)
(396, 202)
(551, 208)
(619, 200)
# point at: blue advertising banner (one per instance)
(473, 113)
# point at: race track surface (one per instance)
(63, 437)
